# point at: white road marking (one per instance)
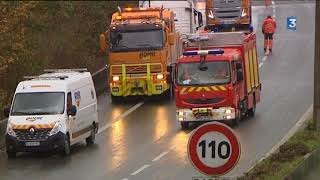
(125, 179)
(160, 156)
(260, 65)
(140, 169)
(120, 117)
(274, 9)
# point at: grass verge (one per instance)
(288, 157)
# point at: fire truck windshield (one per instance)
(136, 40)
(217, 72)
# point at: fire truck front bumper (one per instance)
(205, 114)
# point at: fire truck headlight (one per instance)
(228, 111)
(181, 113)
(116, 78)
(228, 117)
(181, 119)
(160, 76)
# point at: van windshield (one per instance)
(40, 103)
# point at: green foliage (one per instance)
(50, 34)
(288, 157)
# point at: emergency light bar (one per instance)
(203, 52)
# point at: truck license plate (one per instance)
(32, 143)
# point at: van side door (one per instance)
(73, 120)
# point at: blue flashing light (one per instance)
(216, 51)
(190, 53)
(203, 52)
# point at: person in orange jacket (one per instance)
(268, 28)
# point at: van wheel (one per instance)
(184, 125)
(251, 112)
(66, 146)
(11, 154)
(90, 140)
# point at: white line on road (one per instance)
(120, 117)
(160, 156)
(274, 9)
(140, 169)
(125, 179)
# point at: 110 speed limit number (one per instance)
(214, 149)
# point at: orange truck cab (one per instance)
(142, 44)
(222, 15)
(217, 78)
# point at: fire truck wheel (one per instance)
(252, 111)
(236, 121)
(184, 125)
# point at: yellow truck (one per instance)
(142, 44)
(224, 15)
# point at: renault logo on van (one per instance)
(31, 130)
(33, 118)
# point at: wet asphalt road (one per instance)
(147, 143)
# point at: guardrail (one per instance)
(100, 80)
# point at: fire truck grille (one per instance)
(38, 134)
(204, 101)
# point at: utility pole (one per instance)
(316, 96)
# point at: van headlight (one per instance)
(56, 128)
(10, 131)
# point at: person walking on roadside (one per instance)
(268, 28)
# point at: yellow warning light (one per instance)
(128, 9)
(118, 17)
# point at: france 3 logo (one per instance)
(292, 23)
(77, 98)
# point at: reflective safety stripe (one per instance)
(35, 126)
(185, 90)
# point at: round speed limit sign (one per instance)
(214, 149)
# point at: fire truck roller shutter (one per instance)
(247, 69)
(256, 68)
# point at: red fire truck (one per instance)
(217, 78)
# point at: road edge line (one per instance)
(299, 124)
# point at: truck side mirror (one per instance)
(72, 111)
(171, 39)
(169, 69)
(200, 19)
(103, 43)
(6, 112)
(239, 76)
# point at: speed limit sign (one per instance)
(214, 149)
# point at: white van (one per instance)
(52, 111)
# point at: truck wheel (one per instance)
(90, 140)
(66, 146)
(115, 99)
(11, 154)
(251, 112)
(184, 125)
